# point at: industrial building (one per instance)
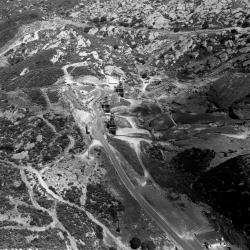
(120, 90)
(106, 105)
(111, 125)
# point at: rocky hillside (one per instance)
(184, 66)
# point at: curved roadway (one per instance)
(98, 133)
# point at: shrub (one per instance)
(103, 19)
(87, 29)
(148, 245)
(135, 243)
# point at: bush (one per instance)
(9, 28)
(7, 34)
(135, 243)
(205, 25)
(148, 245)
(103, 19)
(176, 29)
(96, 20)
(194, 160)
(99, 232)
(87, 29)
(34, 79)
(246, 24)
(36, 96)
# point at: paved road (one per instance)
(97, 131)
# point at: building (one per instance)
(111, 124)
(87, 130)
(106, 106)
(210, 239)
(120, 90)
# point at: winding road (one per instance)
(97, 132)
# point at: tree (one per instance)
(205, 25)
(135, 243)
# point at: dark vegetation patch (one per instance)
(60, 7)
(60, 121)
(30, 127)
(5, 204)
(48, 239)
(82, 71)
(63, 141)
(41, 59)
(3, 100)
(7, 34)
(226, 188)
(194, 102)
(42, 72)
(36, 96)
(39, 218)
(11, 237)
(232, 94)
(102, 203)
(240, 109)
(61, 4)
(6, 223)
(73, 195)
(80, 143)
(11, 184)
(162, 122)
(53, 95)
(9, 28)
(147, 109)
(77, 223)
(155, 152)
(181, 171)
(34, 79)
(202, 118)
(41, 197)
(49, 153)
(43, 150)
(228, 89)
(194, 161)
(64, 124)
(128, 153)
(148, 245)
(135, 243)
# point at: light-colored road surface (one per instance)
(97, 132)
